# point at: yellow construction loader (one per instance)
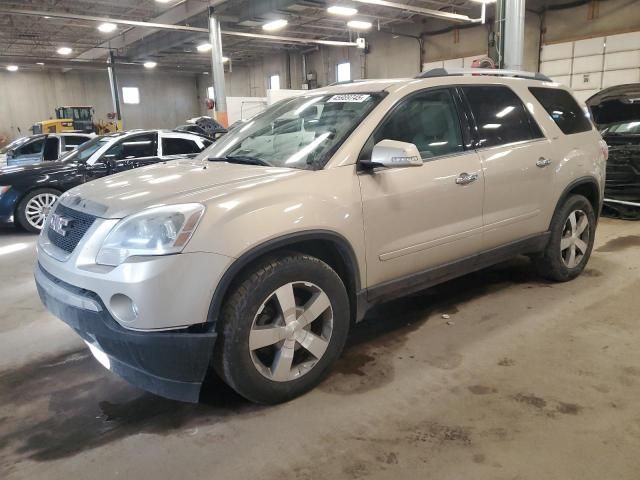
(76, 119)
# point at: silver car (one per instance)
(39, 148)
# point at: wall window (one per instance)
(343, 72)
(210, 93)
(500, 115)
(274, 82)
(130, 95)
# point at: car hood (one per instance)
(11, 174)
(179, 181)
(615, 104)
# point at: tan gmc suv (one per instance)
(256, 257)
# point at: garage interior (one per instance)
(494, 375)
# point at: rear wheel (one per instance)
(282, 328)
(34, 208)
(573, 229)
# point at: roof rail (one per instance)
(445, 72)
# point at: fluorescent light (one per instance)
(343, 11)
(204, 47)
(12, 68)
(275, 25)
(359, 24)
(163, 1)
(225, 59)
(506, 111)
(107, 27)
(40, 63)
(484, 1)
(150, 64)
(64, 51)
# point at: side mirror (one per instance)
(393, 154)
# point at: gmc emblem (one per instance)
(59, 224)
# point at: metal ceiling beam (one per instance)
(163, 26)
(427, 12)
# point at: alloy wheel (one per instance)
(575, 238)
(291, 331)
(38, 208)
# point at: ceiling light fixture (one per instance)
(342, 11)
(64, 51)
(359, 25)
(484, 1)
(12, 68)
(107, 27)
(225, 59)
(163, 1)
(40, 63)
(275, 25)
(150, 64)
(204, 47)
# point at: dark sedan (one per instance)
(28, 192)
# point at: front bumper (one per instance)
(171, 363)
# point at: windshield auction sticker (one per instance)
(349, 98)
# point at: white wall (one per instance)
(27, 97)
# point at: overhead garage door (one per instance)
(589, 65)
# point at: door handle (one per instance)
(543, 162)
(466, 178)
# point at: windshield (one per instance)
(15, 144)
(84, 151)
(624, 128)
(301, 132)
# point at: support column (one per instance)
(514, 34)
(217, 69)
(113, 83)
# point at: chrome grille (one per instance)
(78, 225)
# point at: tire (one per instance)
(33, 208)
(556, 262)
(251, 363)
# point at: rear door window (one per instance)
(563, 109)
(500, 115)
(179, 146)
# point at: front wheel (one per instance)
(573, 229)
(282, 328)
(34, 208)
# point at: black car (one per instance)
(28, 192)
(616, 112)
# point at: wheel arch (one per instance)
(587, 187)
(330, 247)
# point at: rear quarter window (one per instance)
(563, 109)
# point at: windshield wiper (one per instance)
(242, 159)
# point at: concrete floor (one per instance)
(525, 380)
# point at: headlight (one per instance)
(156, 231)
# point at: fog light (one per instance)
(123, 308)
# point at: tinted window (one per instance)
(429, 120)
(563, 109)
(51, 148)
(500, 115)
(72, 141)
(178, 146)
(137, 146)
(31, 148)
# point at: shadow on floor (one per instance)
(58, 407)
